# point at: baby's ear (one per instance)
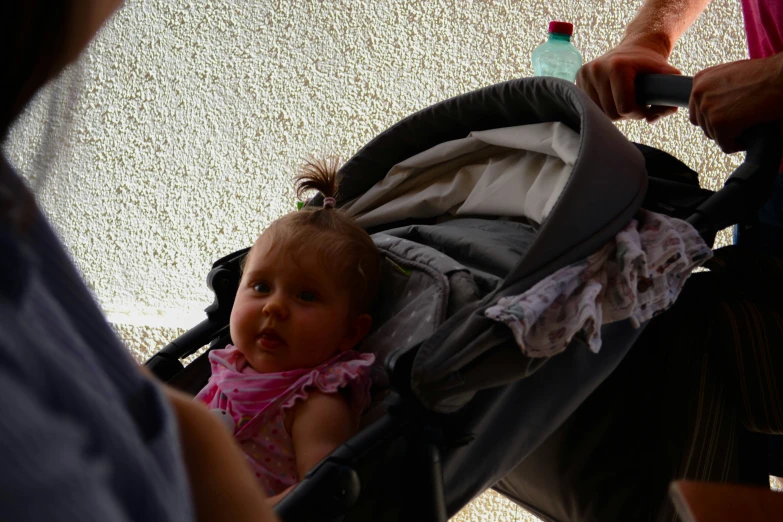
(357, 331)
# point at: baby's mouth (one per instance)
(270, 339)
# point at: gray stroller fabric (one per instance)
(487, 248)
(469, 368)
(412, 299)
(432, 271)
(604, 190)
(466, 356)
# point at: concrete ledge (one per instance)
(144, 341)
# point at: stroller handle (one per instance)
(750, 185)
(667, 90)
(671, 90)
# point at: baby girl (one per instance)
(291, 387)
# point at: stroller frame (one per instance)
(330, 489)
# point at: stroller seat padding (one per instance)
(411, 302)
(432, 271)
(488, 248)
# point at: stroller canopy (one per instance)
(538, 142)
(471, 200)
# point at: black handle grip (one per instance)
(671, 90)
(750, 185)
(667, 90)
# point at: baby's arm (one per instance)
(320, 424)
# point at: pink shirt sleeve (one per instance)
(763, 26)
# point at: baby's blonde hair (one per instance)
(329, 233)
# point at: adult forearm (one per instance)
(222, 485)
(662, 22)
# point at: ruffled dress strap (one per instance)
(254, 406)
(347, 371)
(238, 388)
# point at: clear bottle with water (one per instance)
(557, 56)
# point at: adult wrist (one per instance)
(657, 42)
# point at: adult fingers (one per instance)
(700, 108)
(595, 79)
(695, 115)
(707, 127)
(587, 81)
(582, 78)
(623, 89)
(655, 113)
(700, 114)
(726, 139)
(722, 135)
(607, 97)
(592, 93)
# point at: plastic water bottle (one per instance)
(557, 56)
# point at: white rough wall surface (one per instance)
(145, 341)
(179, 130)
(493, 507)
(172, 142)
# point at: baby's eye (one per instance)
(307, 296)
(261, 288)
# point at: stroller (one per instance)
(457, 406)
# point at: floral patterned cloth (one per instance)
(636, 276)
(253, 405)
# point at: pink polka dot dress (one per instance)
(253, 405)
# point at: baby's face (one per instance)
(290, 313)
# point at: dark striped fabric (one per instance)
(737, 388)
(83, 435)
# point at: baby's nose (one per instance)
(276, 306)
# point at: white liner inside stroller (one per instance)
(511, 172)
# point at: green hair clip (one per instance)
(400, 269)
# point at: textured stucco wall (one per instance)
(173, 140)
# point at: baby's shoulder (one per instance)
(347, 367)
(337, 386)
(320, 406)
